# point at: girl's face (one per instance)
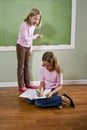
(48, 65)
(35, 20)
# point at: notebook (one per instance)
(32, 94)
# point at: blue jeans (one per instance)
(54, 101)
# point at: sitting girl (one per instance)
(51, 77)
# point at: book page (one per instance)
(32, 94)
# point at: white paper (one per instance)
(32, 94)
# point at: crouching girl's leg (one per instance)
(30, 101)
(54, 101)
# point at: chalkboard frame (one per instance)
(54, 47)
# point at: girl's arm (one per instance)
(56, 90)
(41, 88)
(37, 36)
(58, 85)
(31, 36)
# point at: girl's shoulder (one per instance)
(42, 67)
(23, 24)
(26, 25)
(60, 74)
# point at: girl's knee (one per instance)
(38, 103)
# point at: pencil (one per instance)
(38, 91)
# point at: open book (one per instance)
(32, 94)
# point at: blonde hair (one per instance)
(50, 57)
(32, 13)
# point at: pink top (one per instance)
(51, 78)
(26, 35)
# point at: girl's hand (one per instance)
(40, 35)
(39, 94)
(49, 95)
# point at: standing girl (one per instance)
(24, 47)
(51, 77)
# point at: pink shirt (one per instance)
(51, 78)
(26, 35)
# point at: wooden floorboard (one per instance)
(17, 114)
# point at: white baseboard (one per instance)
(71, 82)
(77, 82)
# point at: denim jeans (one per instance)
(54, 101)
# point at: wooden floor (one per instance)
(17, 114)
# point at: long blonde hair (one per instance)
(50, 57)
(32, 13)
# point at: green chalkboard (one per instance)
(56, 20)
